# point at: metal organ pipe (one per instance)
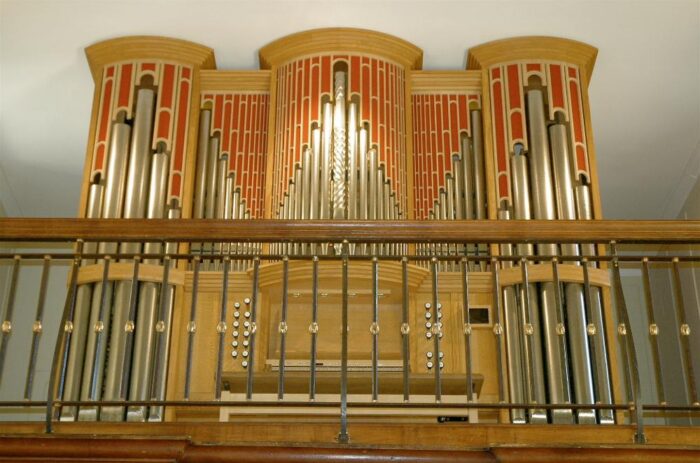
(200, 185)
(544, 209)
(136, 193)
(326, 147)
(575, 304)
(584, 211)
(352, 143)
(96, 349)
(83, 299)
(142, 363)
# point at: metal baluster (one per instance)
(405, 327)
(374, 329)
(313, 328)
(467, 328)
(684, 333)
(37, 328)
(283, 326)
(161, 342)
(9, 310)
(497, 327)
(529, 351)
(62, 347)
(99, 331)
(192, 325)
(129, 329)
(221, 329)
(436, 328)
(628, 352)
(653, 332)
(253, 327)
(343, 435)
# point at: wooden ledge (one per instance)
(340, 39)
(543, 272)
(93, 273)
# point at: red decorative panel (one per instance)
(563, 87)
(118, 95)
(439, 121)
(303, 86)
(240, 120)
(577, 122)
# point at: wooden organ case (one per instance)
(340, 124)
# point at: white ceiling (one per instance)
(645, 92)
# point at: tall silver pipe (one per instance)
(200, 183)
(306, 190)
(142, 363)
(212, 176)
(544, 209)
(229, 183)
(575, 303)
(220, 210)
(458, 187)
(83, 298)
(112, 207)
(530, 311)
(135, 197)
(286, 214)
(514, 338)
(339, 148)
(326, 147)
(315, 173)
(372, 175)
(386, 198)
(352, 162)
(362, 168)
(292, 196)
(298, 191)
(468, 179)
(164, 324)
(235, 210)
(450, 207)
(306, 168)
(479, 176)
(584, 211)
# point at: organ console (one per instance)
(341, 124)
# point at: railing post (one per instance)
(625, 331)
(343, 436)
(65, 331)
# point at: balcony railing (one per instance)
(404, 252)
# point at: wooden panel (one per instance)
(125, 271)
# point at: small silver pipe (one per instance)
(352, 162)
(315, 174)
(212, 175)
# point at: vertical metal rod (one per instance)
(326, 148)
(61, 350)
(528, 332)
(458, 186)
(629, 352)
(339, 147)
(372, 176)
(313, 328)
(653, 332)
(467, 329)
(161, 327)
(479, 178)
(221, 329)
(584, 211)
(253, 327)
(99, 329)
(315, 173)
(129, 329)
(405, 327)
(497, 327)
(352, 162)
(283, 327)
(468, 178)
(343, 435)
(374, 329)
(192, 325)
(212, 176)
(9, 310)
(684, 328)
(436, 328)
(200, 188)
(362, 170)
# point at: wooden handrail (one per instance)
(457, 231)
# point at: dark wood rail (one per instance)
(472, 231)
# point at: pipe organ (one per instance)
(341, 124)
